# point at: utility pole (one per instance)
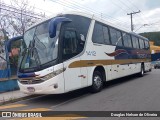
(131, 14)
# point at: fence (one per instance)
(8, 79)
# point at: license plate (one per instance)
(31, 89)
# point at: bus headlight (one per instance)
(53, 74)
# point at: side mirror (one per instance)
(82, 37)
(53, 25)
(11, 41)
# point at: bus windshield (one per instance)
(37, 47)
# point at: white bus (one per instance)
(75, 50)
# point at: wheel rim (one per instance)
(97, 81)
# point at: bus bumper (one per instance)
(52, 86)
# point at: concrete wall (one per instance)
(8, 85)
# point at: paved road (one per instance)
(126, 94)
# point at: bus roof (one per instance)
(91, 16)
(135, 34)
(64, 13)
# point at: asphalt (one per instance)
(126, 94)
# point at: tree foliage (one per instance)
(16, 17)
(152, 36)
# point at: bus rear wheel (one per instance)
(141, 74)
(97, 82)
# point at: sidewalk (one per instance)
(11, 96)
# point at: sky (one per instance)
(114, 11)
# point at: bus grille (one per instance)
(31, 81)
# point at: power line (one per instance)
(76, 5)
(155, 22)
(86, 8)
(6, 7)
(152, 25)
(106, 16)
(129, 1)
(35, 8)
(119, 6)
(141, 27)
(132, 10)
(133, 4)
(126, 5)
(124, 10)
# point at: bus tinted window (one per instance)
(97, 36)
(80, 23)
(141, 43)
(146, 44)
(70, 44)
(127, 40)
(113, 36)
(119, 37)
(106, 35)
(116, 37)
(135, 42)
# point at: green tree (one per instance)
(152, 36)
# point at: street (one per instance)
(125, 94)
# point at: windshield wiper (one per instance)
(28, 52)
(33, 51)
(36, 56)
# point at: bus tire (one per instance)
(97, 82)
(141, 74)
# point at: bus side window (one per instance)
(119, 37)
(135, 42)
(106, 35)
(113, 36)
(146, 45)
(116, 37)
(100, 34)
(127, 40)
(97, 36)
(141, 42)
(70, 44)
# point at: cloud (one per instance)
(114, 11)
(118, 9)
(152, 4)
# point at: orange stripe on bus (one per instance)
(88, 63)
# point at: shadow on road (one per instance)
(122, 80)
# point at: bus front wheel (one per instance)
(97, 82)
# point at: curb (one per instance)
(12, 100)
